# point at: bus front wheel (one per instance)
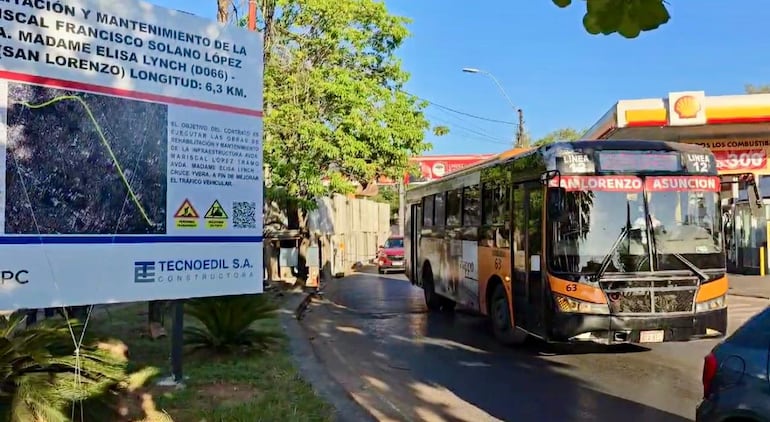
(505, 332)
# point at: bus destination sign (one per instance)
(639, 161)
(575, 162)
(699, 163)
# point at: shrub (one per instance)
(42, 380)
(228, 323)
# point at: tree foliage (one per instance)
(625, 17)
(757, 89)
(334, 109)
(563, 134)
(440, 130)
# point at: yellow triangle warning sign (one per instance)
(216, 211)
(186, 210)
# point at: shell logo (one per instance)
(687, 107)
(439, 169)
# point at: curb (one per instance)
(311, 368)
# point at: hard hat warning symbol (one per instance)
(216, 217)
(186, 216)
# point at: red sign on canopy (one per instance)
(747, 159)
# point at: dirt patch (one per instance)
(226, 393)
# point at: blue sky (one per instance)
(557, 73)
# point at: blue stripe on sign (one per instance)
(120, 239)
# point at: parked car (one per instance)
(390, 256)
(736, 375)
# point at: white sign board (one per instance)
(133, 154)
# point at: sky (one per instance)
(551, 68)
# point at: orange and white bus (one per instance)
(602, 241)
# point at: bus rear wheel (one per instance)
(433, 300)
(500, 316)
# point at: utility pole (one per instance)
(521, 142)
(252, 16)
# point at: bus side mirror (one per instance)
(755, 201)
(549, 175)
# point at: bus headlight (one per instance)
(569, 304)
(711, 305)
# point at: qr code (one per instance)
(245, 215)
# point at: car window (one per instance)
(394, 243)
(755, 333)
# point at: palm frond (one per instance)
(41, 377)
(228, 322)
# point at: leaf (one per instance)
(626, 17)
(562, 3)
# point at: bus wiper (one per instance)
(692, 267)
(607, 258)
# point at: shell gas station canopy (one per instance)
(735, 127)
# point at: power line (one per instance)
(472, 124)
(481, 136)
(460, 112)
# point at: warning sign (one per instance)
(216, 217)
(186, 216)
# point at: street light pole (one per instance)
(519, 132)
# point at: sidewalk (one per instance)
(749, 285)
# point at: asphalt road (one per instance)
(376, 338)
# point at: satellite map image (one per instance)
(83, 163)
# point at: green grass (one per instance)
(249, 386)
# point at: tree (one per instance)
(757, 89)
(388, 195)
(625, 17)
(334, 108)
(563, 134)
(440, 130)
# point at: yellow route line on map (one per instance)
(104, 141)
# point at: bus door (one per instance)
(527, 235)
(535, 280)
(519, 255)
(415, 228)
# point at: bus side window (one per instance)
(427, 215)
(495, 205)
(454, 204)
(439, 209)
(471, 206)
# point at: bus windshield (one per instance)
(606, 218)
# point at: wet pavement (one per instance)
(376, 338)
